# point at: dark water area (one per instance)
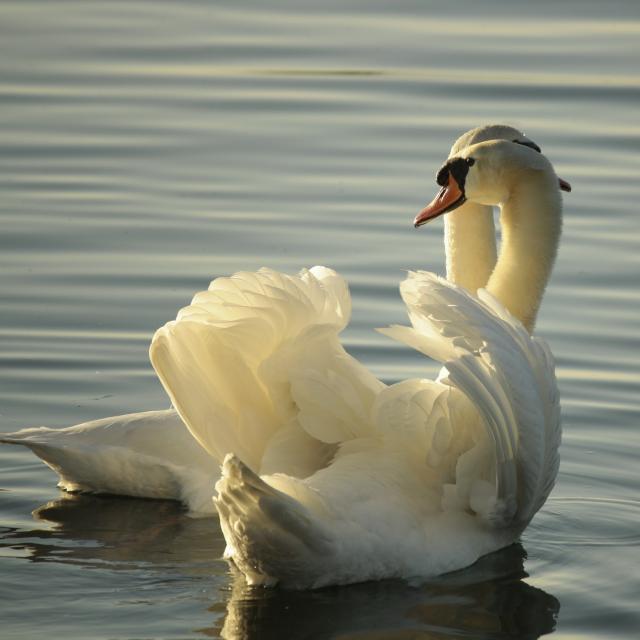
(146, 148)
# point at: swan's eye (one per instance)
(470, 161)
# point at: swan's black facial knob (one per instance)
(451, 178)
(458, 169)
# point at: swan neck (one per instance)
(531, 224)
(470, 245)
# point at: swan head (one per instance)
(492, 132)
(486, 173)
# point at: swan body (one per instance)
(325, 475)
(442, 473)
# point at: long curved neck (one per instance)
(470, 245)
(531, 224)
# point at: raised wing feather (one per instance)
(508, 376)
(248, 365)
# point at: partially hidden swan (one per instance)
(323, 474)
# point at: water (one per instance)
(149, 147)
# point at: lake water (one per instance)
(146, 148)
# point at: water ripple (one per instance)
(586, 522)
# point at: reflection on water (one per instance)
(490, 599)
(122, 532)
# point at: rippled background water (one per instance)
(146, 147)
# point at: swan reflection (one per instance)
(488, 600)
(123, 532)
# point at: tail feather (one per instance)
(271, 537)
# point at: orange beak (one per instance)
(450, 197)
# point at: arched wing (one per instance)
(250, 364)
(507, 375)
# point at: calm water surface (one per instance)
(146, 148)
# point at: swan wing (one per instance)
(255, 368)
(506, 374)
(542, 363)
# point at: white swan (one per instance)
(153, 455)
(366, 481)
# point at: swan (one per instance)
(152, 454)
(329, 476)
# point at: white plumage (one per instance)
(146, 455)
(408, 480)
(328, 476)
